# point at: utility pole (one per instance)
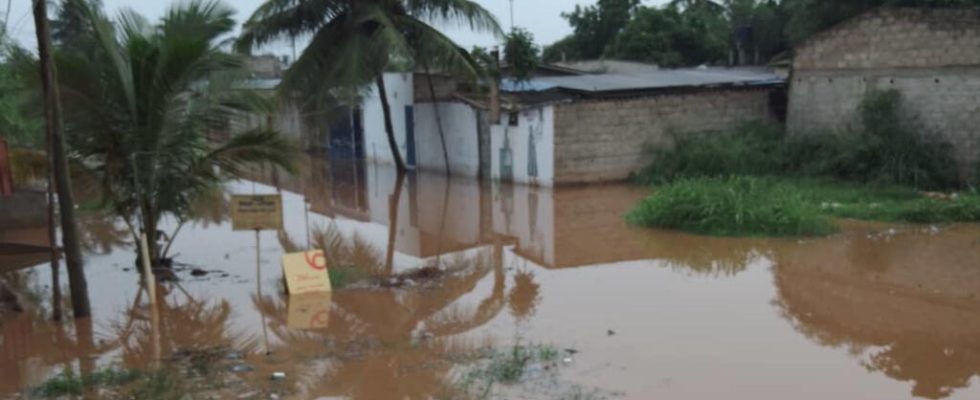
(511, 15)
(54, 126)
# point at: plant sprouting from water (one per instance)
(140, 105)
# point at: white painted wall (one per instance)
(401, 93)
(528, 214)
(531, 144)
(459, 122)
(435, 214)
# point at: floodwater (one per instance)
(876, 312)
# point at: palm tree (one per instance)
(353, 42)
(139, 107)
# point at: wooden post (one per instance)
(6, 174)
(66, 202)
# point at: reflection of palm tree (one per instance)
(525, 295)
(182, 323)
(376, 333)
(44, 344)
(101, 233)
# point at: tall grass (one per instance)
(737, 206)
(746, 206)
(884, 152)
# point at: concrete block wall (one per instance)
(896, 38)
(942, 104)
(606, 140)
(931, 56)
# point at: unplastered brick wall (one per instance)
(932, 57)
(896, 38)
(606, 140)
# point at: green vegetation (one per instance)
(746, 206)
(507, 367)
(140, 104)
(694, 32)
(521, 54)
(758, 181)
(354, 43)
(736, 206)
(884, 152)
(69, 384)
(20, 120)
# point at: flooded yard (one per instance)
(875, 312)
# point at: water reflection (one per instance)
(560, 265)
(906, 305)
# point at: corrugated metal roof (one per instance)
(651, 80)
(534, 85)
(259, 84)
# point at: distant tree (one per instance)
(70, 27)
(669, 38)
(20, 121)
(521, 54)
(561, 50)
(596, 27)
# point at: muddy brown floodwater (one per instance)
(876, 312)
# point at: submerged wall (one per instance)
(400, 95)
(524, 152)
(606, 140)
(931, 56)
(460, 126)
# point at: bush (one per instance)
(752, 149)
(884, 152)
(736, 206)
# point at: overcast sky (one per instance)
(541, 17)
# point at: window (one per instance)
(513, 118)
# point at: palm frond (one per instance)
(281, 19)
(250, 148)
(462, 12)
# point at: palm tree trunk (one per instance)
(52, 114)
(389, 127)
(435, 106)
(53, 238)
(393, 203)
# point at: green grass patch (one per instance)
(342, 277)
(68, 383)
(746, 206)
(737, 206)
(506, 367)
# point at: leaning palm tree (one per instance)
(353, 42)
(139, 109)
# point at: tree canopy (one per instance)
(140, 105)
(693, 32)
(521, 54)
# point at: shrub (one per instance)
(752, 149)
(884, 152)
(736, 206)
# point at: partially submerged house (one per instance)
(593, 128)
(563, 128)
(931, 56)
